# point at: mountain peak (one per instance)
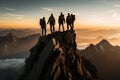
(104, 42)
(91, 46)
(55, 57)
(103, 46)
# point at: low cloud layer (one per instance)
(96, 35)
(11, 63)
(10, 68)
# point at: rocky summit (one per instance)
(54, 57)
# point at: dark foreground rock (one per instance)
(54, 57)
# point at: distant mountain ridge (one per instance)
(11, 44)
(106, 58)
(102, 47)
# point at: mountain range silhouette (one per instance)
(10, 44)
(105, 57)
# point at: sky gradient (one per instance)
(26, 13)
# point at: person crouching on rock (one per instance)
(43, 26)
(51, 21)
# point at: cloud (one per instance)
(9, 9)
(15, 15)
(76, 14)
(114, 10)
(11, 68)
(11, 63)
(82, 46)
(116, 5)
(115, 14)
(93, 35)
(19, 17)
(47, 9)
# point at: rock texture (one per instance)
(54, 57)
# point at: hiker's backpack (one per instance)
(41, 21)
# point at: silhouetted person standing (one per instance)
(68, 21)
(51, 21)
(43, 26)
(72, 21)
(61, 21)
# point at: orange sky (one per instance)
(89, 13)
(19, 24)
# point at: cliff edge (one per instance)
(54, 57)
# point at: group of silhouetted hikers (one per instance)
(61, 21)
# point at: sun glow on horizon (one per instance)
(93, 13)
